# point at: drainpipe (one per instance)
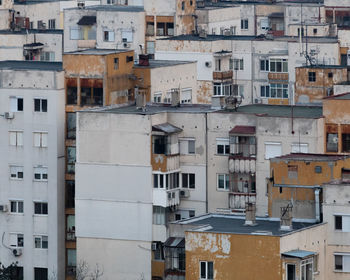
(317, 205)
(206, 163)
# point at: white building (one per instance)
(32, 167)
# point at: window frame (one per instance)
(16, 104)
(190, 177)
(206, 274)
(18, 134)
(238, 64)
(43, 143)
(312, 77)
(41, 241)
(17, 203)
(244, 24)
(191, 146)
(42, 108)
(41, 169)
(226, 182)
(20, 169)
(19, 240)
(265, 62)
(225, 143)
(42, 208)
(283, 65)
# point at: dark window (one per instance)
(159, 144)
(40, 208)
(129, 58)
(188, 180)
(70, 194)
(71, 125)
(155, 181)
(72, 91)
(332, 142)
(330, 75)
(315, 30)
(338, 220)
(290, 271)
(338, 261)
(312, 76)
(244, 23)
(264, 65)
(183, 5)
(37, 105)
(116, 63)
(40, 105)
(19, 104)
(318, 169)
(40, 273)
(345, 142)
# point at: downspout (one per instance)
(317, 205)
(206, 163)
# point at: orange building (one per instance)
(296, 180)
(93, 78)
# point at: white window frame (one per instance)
(186, 96)
(111, 36)
(238, 64)
(187, 146)
(41, 239)
(127, 36)
(345, 262)
(42, 172)
(14, 106)
(266, 63)
(42, 203)
(305, 263)
(40, 139)
(283, 61)
(226, 182)
(264, 24)
(16, 138)
(15, 240)
(295, 270)
(222, 142)
(345, 222)
(159, 185)
(188, 175)
(75, 33)
(283, 88)
(15, 170)
(158, 217)
(17, 203)
(41, 104)
(300, 148)
(206, 270)
(244, 24)
(157, 97)
(271, 144)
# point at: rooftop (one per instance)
(97, 51)
(112, 8)
(260, 110)
(163, 63)
(323, 66)
(224, 223)
(311, 157)
(30, 65)
(32, 31)
(343, 96)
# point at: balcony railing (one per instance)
(165, 163)
(243, 150)
(221, 75)
(241, 165)
(238, 200)
(166, 198)
(86, 44)
(278, 76)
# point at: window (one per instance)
(40, 273)
(129, 58)
(290, 269)
(70, 227)
(264, 91)
(330, 75)
(264, 65)
(222, 146)
(187, 146)
(158, 181)
(306, 268)
(278, 90)
(293, 171)
(16, 172)
(71, 125)
(342, 223)
(16, 240)
(52, 24)
(279, 65)
(158, 215)
(40, 208)
(345, 142)
(264, 24)
(16, 138)
(172, 181)
(223, 89)
(108, 36)
(71, 154)
(186, 96)
(116, 63)
(218, 64)
(332, 142)
(40, 173)
(40, 139)
(318, 169)
(47, 56)
(76, 33)
(238, 64)
(72, 92)
(241, 90)
(244, 24)
(243, 145)
(16, 206)
(16, 104)
(40, 105)
(300, 148)
(41, 242)
(150, 47)
(157, 98)
(188, 180)
(223, 181)
(70, 194)
(315, 30)
(342, 262)
(312, 76)
(158, 252)
(273, 149)
(91, 92)
(127, 36)
(160, 144)
(183, 5)
(150, 29)
(206, 270)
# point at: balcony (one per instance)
(241, 165)
(278, 76)
(70, 236)
(238, 200)
(166, 198)
(86, 44)
(165, 163)
(222, 75)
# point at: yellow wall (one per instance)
(235, 256)
(158, 268)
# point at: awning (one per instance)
(243, 129)
(300, 254)
(276, 15)
(33, 46)
(175, 242)
(167, 128)
(87, 20)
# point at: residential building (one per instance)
(105, 27)
(32, 167)
(93, 78)
(230, 247)
(157, 79)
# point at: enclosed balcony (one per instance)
(242, 190)
(222, 75)
(242, 142)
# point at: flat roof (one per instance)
(311, 157)
(343, 96)
(97, 51)
(30, 65)
(112, 8)
(227, 223)
(300, 254)
(163, 63)
(260, 110)
(32, 31)
(324, 66)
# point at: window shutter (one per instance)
(13, 240)
(183, 147)
(12, 138)
(44, 139)
(346, 223)
(36, 139)
(19, 138)
(272, 150)
(13, 104)
(346, 263)
(111, 36)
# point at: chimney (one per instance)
(143, 60)
(140, 96)
(286, 218)
(250, 210)
(175, 97)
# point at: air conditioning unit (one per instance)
(126, 45)
(208, 64)
(9, 115)
(184, 193)
(257, 101)
(81, 4)
(154, 246)
(3, 208)
(17, 252)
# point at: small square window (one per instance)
(116, 63)
(312, 76)
(330, 75)
(318, 169)
(338, 221)
(315, 30)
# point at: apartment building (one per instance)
(105, 27)
(32, 167)
(93, 78)
(259, 69)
